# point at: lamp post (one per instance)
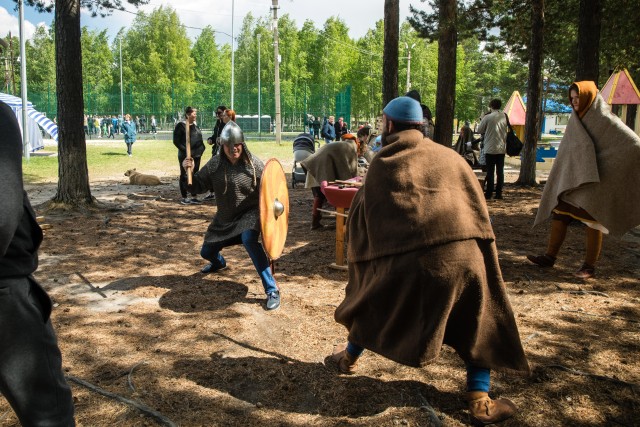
(232, 53)
(276, 60)
(23, 82)
(121, 89)
(409, 64)
(259, 90)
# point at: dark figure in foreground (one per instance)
(594, 179)
(420, 273)
(31, 377)
(234, 177)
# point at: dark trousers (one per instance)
(129, 144)
(495, 166)
(183, 175)
(31, 375)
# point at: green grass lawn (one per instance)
(108, 159)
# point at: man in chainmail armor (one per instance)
(234, 177)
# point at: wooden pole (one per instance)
(188, 146)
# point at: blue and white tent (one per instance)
(34, 119)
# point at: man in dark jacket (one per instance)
(213, 140)
(341, 128)
(329, 130)
(217, 129)
(197, 149)
(31, 377)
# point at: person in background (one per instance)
(234, 176)
(31, 376)
(333, 161)
(427, 124)
(217, 129)
(316, 128)
(197, 149)
(329, 130)
(493, 128)
(154, 125)
(213, 140)
(130, 133)
(228, 116)
(421, 274)
(310, 125)
(341, 128)
(467, 146)
(594, 179)
(114, 125)
(96, 126)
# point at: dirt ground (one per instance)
(135, 318)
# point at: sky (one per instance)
(359, 15)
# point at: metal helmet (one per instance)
(231, 135)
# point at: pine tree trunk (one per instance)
(588, 61)
(534, 96)
(73, 175)
(390, 57)
(446, 92)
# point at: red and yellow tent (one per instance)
(622, 94)
(517, 112)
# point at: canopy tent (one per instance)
(622, 94)
(34, 119)
(517, 112)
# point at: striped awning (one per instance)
(16, 104)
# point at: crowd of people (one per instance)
(418, 277)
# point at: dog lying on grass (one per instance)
(137, 178)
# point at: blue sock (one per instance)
(354, 349)
(478, 379)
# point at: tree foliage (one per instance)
(41, 65)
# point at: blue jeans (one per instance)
(249, 238)
(327, 140)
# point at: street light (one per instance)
(259, 89)
(23, 82)
(409, 64)
(121, 89)
(232, 53)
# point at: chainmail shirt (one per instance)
(237, 194)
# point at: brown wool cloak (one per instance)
(336, 160)
(423, 265)
(597, 170)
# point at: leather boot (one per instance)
(316, 215)
(346, 362)
(594, 245)
(556, 237)
(484, 410)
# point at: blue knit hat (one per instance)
(404, 109)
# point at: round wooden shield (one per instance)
(274, 208)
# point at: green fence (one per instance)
(298, 104)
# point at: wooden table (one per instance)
(340, 195)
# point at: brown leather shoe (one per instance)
(542, 260)
(585, 272)
(487, 411)
(346, 363)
